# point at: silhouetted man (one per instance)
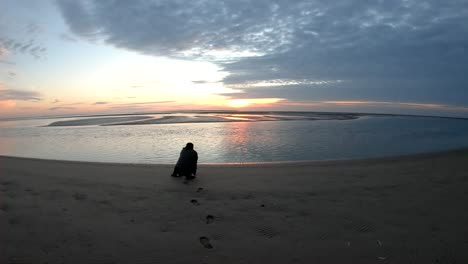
(187, 163)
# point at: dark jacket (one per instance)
(187, 162)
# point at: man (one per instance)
(187, 163)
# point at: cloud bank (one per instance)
(403, 50)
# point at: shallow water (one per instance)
(219, 142)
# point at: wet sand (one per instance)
(396, 210)
(198, 118)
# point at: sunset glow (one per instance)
(53, 62)
(252, 131)
(238, 103)
(241, 103)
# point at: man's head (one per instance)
(189, 146)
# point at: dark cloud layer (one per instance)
(172, 27)
(403, 50)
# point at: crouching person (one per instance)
(187, 163)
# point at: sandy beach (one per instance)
(394, 210)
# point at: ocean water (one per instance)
(252, 138)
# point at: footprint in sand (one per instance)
(4, 207)
(194, 202)
(365, 228)
(200, 189)
(209, 219)
(323, 236)
(140, 198)
(13, 221)
(80, 196)
(5, 183)
(267, 231)
(188, 181)
(205, 242)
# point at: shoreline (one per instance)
(462, 150)
(409, 209)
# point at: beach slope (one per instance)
(394, 210)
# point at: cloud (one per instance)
(399, 104)
(181, 27)
(79, 17)
(33, 28)
(201, 82)
(61, 108)
(413, 108)
(67, 37)
(29, 47)
(19, 95)
(100, 103)
(69, 106)
(3, 51)
(141, 104)
(155, 102)
(7, 62)
(425, 91)
(384, 50)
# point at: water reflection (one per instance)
(256, 141)
(237, 135)
(236, 118)
(235, 141)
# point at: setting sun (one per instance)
(238, 103)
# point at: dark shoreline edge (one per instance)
(417, 156)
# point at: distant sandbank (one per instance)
(199, 118)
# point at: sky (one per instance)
(66, 57)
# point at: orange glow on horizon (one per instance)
(238, 103)
(7, 104)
